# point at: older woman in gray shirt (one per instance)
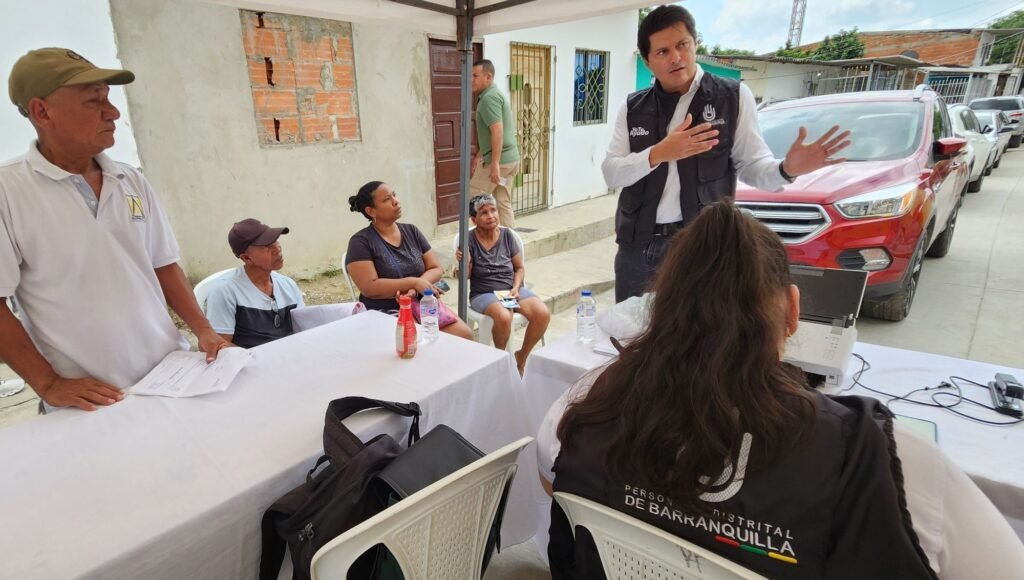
(496, 266)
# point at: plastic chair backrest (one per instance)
(438, 532)
(630, 548)
(202, 289)
(348, 279)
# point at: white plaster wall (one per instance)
(576, 152)
(776, 80)
(81, 25)
(196, 132)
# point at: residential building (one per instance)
(239, 113)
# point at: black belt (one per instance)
(667, 230)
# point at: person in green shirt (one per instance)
(495, 131)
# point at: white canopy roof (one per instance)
(506, 15)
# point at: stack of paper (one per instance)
(187, 374)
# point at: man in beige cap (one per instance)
(85, 247)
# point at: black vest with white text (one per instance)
(831, 506)
(703, 179)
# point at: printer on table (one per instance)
(829, 302)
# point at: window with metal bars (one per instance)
(589, 104)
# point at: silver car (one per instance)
(996, 126)
(979, 146)
(1014, 109)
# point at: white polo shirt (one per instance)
(86, 284)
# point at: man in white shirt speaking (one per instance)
(681, 144)
(85, 247)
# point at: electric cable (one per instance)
(935, 402)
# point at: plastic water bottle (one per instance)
(405, 332)
(586, 317)
(428, 316)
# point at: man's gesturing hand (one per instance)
(82, 393)
(684, 141)
(802, 159)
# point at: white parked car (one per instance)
(979, 147)
(1013, 106)
(996, 126)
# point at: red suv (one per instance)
(894, 201)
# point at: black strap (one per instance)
(272, 555)
(309, 476)
(340, 443)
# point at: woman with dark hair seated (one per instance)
(699, 428)
(388, 259)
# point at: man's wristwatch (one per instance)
(785, 175)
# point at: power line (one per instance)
(976, 22)
(933, 16)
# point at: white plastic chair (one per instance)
(438, 532)
(348, 279)
(202, 289)
(632, 549)
(485, 324)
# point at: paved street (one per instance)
(970, 304)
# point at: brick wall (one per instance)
(940, 47)
(302, 72)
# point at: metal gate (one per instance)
(529, 86)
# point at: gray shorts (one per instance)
(480, 302)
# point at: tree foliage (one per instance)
(845, 44)
(840, 46)
(1006, 48)
(719, 51)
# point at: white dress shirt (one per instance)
(754, 161)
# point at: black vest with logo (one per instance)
(703, 179)
(832, 506)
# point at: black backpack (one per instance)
(356, 482)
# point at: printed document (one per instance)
(187, 374)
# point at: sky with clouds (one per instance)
(762, 25)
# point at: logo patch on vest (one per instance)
(709, 115)
(135, 207)
(638, 132)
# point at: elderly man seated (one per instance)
(496, 272)
(252, 305)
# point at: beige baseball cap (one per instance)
(40, 72)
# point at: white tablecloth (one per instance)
(993, 457)
(175, 488)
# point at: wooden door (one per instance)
(446, 103)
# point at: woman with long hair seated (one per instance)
(699, 428)
(388, 259)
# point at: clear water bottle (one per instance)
(428, 316)
(586, 317)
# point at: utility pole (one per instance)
(796, 23)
